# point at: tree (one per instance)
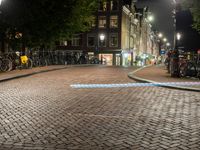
(42, 22)
(194, 7)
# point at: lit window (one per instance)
(102, 5)
(63, 43)
(113, 21)
(102, 21)
(113, 40)
(91, 40)
(76, 40)
(114, 5)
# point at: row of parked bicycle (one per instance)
(184, 67)
(18, 60)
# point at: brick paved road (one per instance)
(43, 112)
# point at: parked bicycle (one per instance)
(5, 64)
(189, 67)
(20, 61)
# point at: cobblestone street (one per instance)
(43, 112)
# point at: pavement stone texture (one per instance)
(43, 112)
(159, 74)
(18, 72)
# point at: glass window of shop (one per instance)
(126, 59)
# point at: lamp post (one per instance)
(149, 18)
(137, 19)
(174, 57)
(102, 38)
(174, 16)
(129, 44)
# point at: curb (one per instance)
(132, 76)
(42, 71)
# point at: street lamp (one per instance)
(1, 1)
(150, 18)
(165, 39)
(130, 25)
(178, 36)
(168, 44)
(102, 38)
(160, 35)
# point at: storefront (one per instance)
(126, 58)
(145, 59)
(109, 59)
(106, 59)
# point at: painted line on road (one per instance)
(89, 86)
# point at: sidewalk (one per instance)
(158, 74)
(6, 76)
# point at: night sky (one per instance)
(162, 11)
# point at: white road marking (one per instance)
(134, 85)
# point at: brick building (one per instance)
(114, 37)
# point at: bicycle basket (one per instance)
(24, 59)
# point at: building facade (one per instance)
(116, 36)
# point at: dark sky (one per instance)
(162, 10)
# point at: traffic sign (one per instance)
(162, 51)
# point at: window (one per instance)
(91, 40)
(113, 21)
(114, 5)
(93, 21)
(113, 40)
(63, 43)
(76, 40)
(102, 5)
(102, 21)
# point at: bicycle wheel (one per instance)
(43, 62)
(183, 70)
(191, 69)
(6, 65)
(29, 64)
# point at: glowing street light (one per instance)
(168, 44)
(102, 37)
(150, 18)
(165, 39)
(1, 1)
(160, 35)
(178, 36)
